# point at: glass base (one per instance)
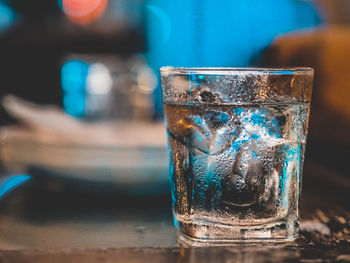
(213, 234)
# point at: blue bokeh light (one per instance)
(60, 4)
(7, 16)
(74, 104)
(11, 182)
(73, 81)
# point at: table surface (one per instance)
(47, 220)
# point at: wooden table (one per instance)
(50, 221)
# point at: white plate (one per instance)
(125, 165)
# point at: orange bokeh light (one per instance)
(84, 11)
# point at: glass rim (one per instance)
(169, 70)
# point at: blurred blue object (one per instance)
(11, 182)
(74, 104)
(7, 16)
(205, 33)
(73, 81)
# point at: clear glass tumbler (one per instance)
(236, 141)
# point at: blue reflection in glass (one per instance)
(12, 182)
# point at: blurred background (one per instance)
(98, 61)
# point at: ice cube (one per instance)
(205, 95)
(215, 132)
(256, 145)
(246, 183)
(216, 119)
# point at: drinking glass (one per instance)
(236, 142)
